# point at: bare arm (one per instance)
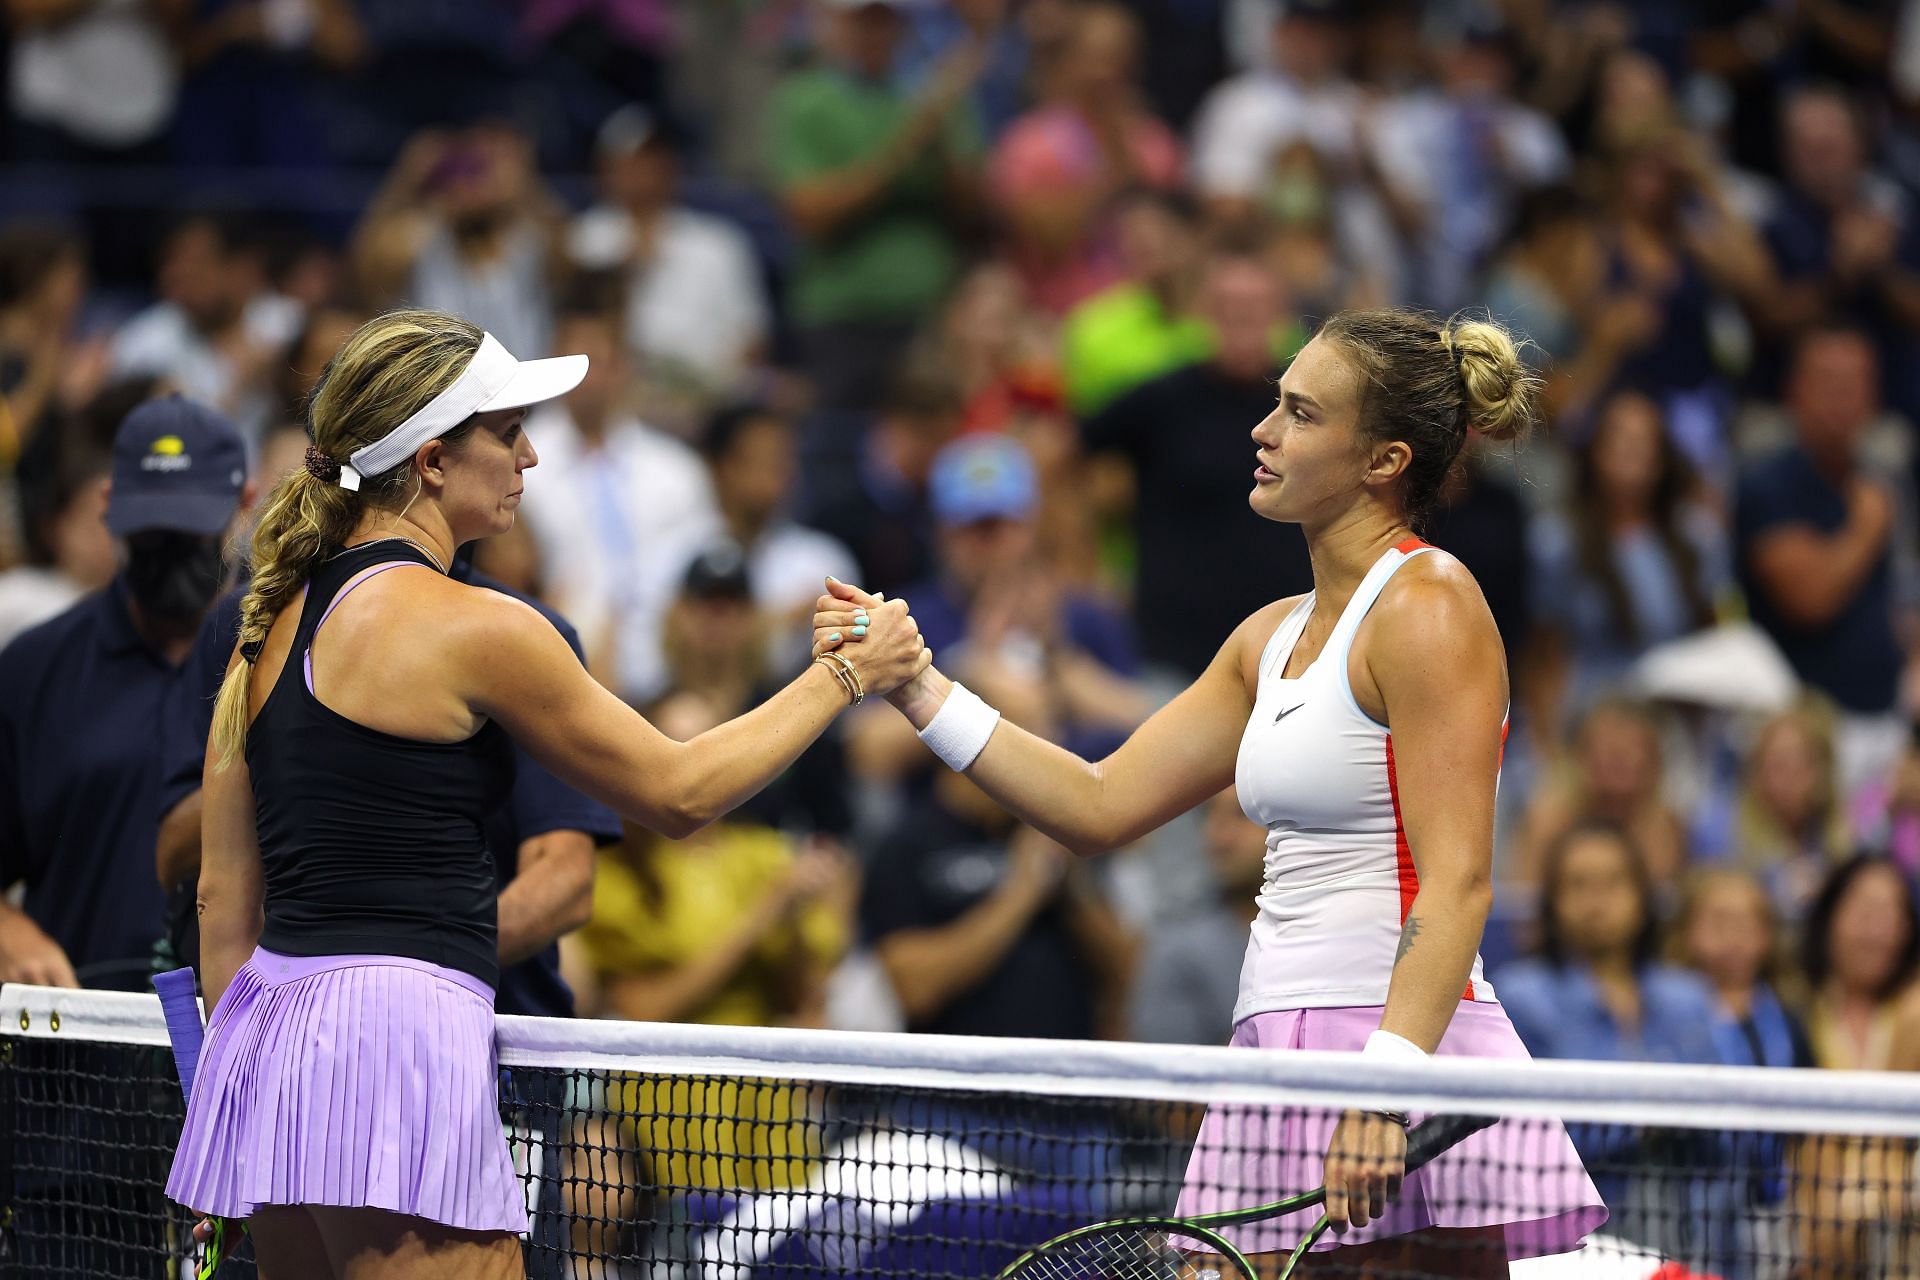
(515, 668)
(232, 896)
(28, 955)
(670, 995)
(930, 967)
(177, 851)
(1810, 576)
(1435, 658)
(549, 897)
(1183, 754)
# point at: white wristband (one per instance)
(1388, 1047)
(959, 730)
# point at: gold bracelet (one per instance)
(855, 685)
(849, 678)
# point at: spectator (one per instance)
(1549, 283)
(1285, 141)
(325, 330)
(985, 928)
(1676, 241)
(616, 511)
(218, 330)
(1615, 774)
(464, 224)
(1636, 559)
(1001, 349)
(1482, 522)
(999, 93)
(1189, 978)
(1056, 171)
(78, 810)
(1597, 989)
(717, 644)
(738, 925)
(1814, 539)
(871, 179)
(1462, 152)
(1728, 933)
(43, 368)
(1860, 952)
(1886, 810)
(1843, 240)
(1184, 438)
(70, 554)
(1788, 825)
(254, 72)
(1008, 621)
(65, 56)
(750, 452)
(879, 508)
(1144, 325)
(696, 308)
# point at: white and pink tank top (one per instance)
(1318, 773)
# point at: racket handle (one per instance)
(1436, 1134)
(182, 1011)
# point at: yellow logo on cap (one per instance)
(171, 446)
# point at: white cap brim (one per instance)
(535, 381)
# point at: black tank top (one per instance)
(371, 843)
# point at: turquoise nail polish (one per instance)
(835, 637)
(858, 632)
(861, 620)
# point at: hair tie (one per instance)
(251, 650)
(321, 467)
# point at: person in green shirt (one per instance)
(876, 182)
(1145, 325)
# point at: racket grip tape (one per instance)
(1439, 1133)
(182, 1011)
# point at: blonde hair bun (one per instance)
(1501, 391)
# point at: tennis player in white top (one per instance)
(1363, 725)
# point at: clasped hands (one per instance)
(877, 635)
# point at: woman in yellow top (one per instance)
(735, 926)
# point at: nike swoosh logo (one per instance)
(1287, 711)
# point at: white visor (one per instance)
(492, 380)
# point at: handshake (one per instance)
(873, 639)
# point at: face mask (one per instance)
(175, 575)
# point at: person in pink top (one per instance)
(1055, 173)
(1362, 724)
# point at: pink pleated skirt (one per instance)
(357, 1081)
(1523, 1175)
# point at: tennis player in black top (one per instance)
(346, 1099)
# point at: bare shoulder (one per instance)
(1244, 647)
(487, 622)
(1435, 600)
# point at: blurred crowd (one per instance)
(975, 301)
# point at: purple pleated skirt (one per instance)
(359, 1081)
(1523, 1175)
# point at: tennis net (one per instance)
(668, 1152)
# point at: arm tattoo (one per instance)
(1408, 932)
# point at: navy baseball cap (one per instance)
(983, 478)
(176, 465)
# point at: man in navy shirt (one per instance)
(1815, 534)
(79, 698)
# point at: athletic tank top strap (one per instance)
(1364, 595)
(1280, 644)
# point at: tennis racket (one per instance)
(1178, 1248)
(184, 1032)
